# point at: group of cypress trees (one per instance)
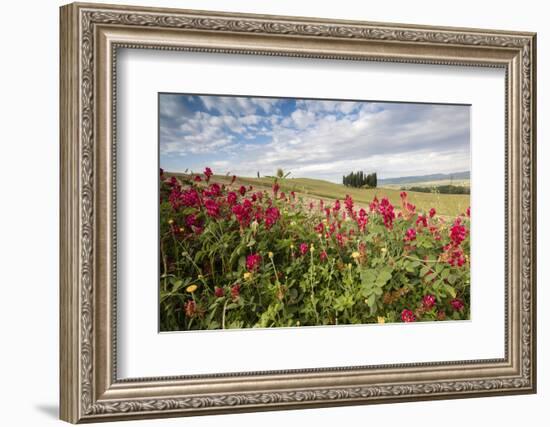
(359, 179)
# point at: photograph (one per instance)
(285, 212)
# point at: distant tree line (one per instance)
(442, 189)
(360, 179)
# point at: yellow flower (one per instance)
(381, 319)
(349, 266)
(182, 229)
(311, 248)
(383, 250)
(355, 255)
(170, 221)
(191, 288)
(291, 246)
(247, 275)
(270, 254)
(201, 277)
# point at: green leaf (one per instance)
(371, 300)
(383, 277)
(450, 290)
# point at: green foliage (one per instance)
(442, 189)
(314, 268)
(359, 180)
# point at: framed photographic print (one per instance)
(266, 212)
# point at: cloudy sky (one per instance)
(311, 138)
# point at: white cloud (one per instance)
(324, 139)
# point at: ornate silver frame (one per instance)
(90, 36)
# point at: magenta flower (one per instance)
(212, 208)
(272, 215)
(348, 202)
(197, 178)
(428, 301)
(235, 291)
(410, 235)
(208, 173)
(457, 304)
(242, 190)
(219, 292)
(253, 261)
(407, 315)
(323, 255)
(303, 248)
(422, 220)
(458, 232)
(385, 208)
(191, 220)
(468, 211)
(231, 198)
(432, 212)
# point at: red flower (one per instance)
(190, 197)
(410, 235)
(191, 220)
(374, 204)
(407, 315)
(214, 190)
(212, 208)
(208, 173)
(190, 308)
(276, 188)
(422, 220)
(348, 202)
(197, 178)
(235, 291)
(231, 198)
(323, 255)
(303, 248)
(272, 215)
(457, 304)
(243, 212)
(468, 211)
(385, 208)
(428, 301)
(403, 195)
(242, 190)
(336, 206)
(253, 261)
(363, 219)
(432, 212)
(458, 232)
(219, 292)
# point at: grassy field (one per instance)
(445, 204)
(457, 182)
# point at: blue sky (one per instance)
(311, 138)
